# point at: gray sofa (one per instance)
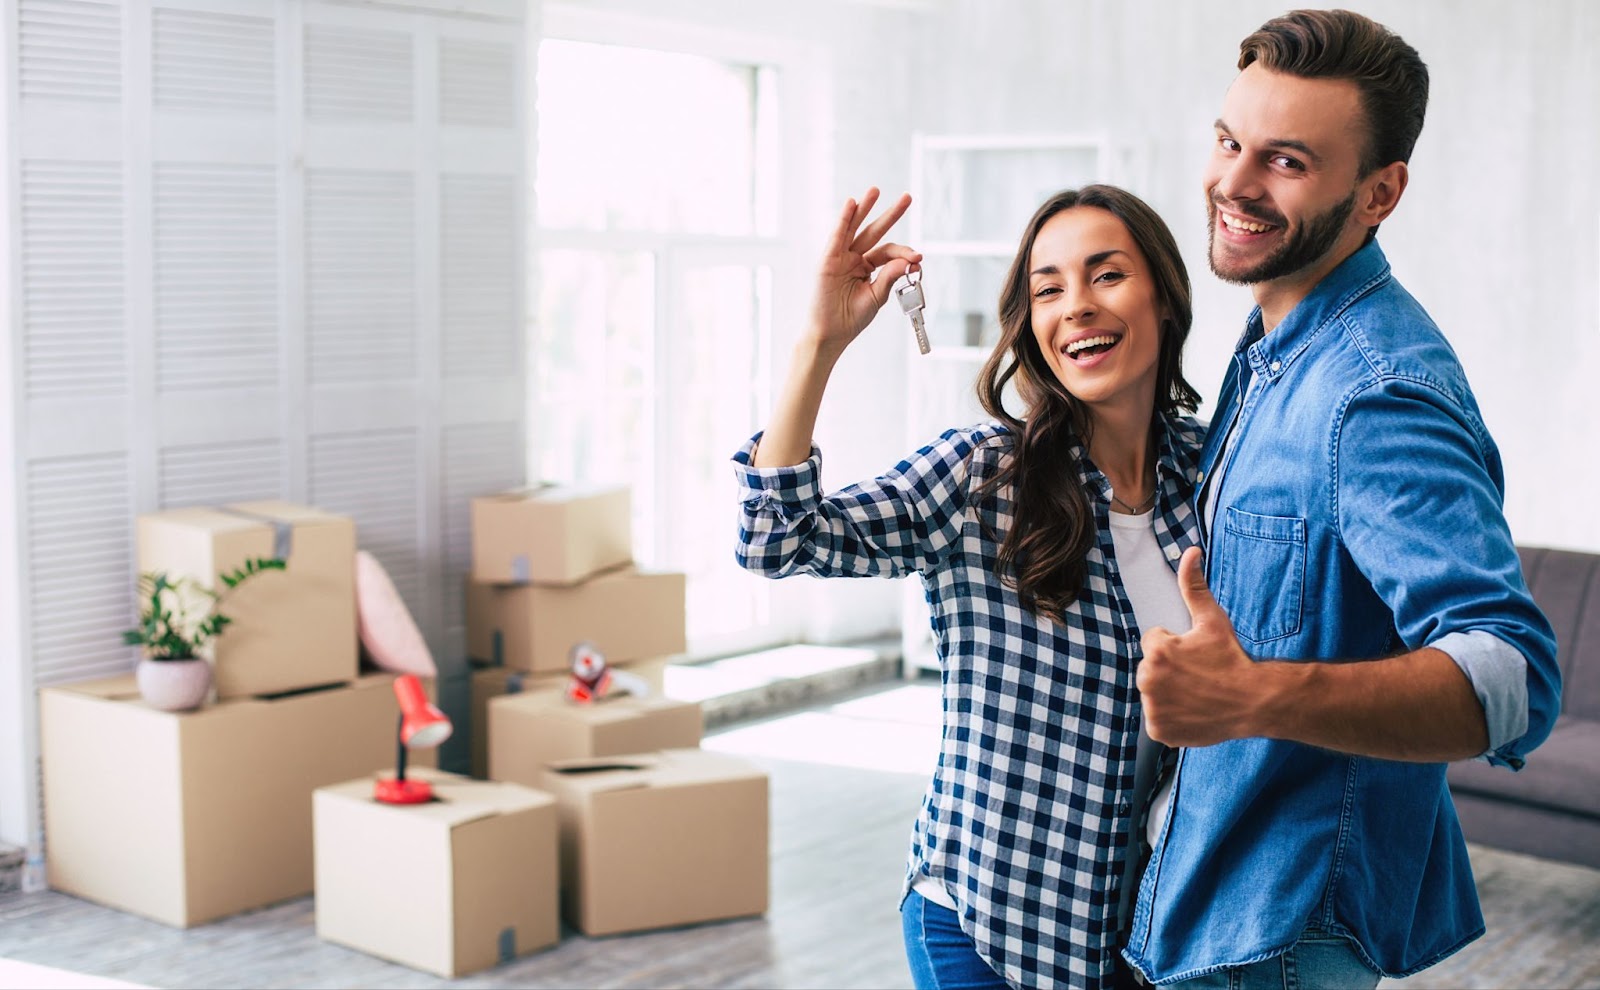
(1551, 808)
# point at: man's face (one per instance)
(1282, 181)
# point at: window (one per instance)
(656, 206)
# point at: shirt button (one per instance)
(1200, 478)
(1274, 366)
(1173, 553)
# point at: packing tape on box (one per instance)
(282, 529)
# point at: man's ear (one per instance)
(1380, 192)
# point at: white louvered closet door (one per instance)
(257, 249)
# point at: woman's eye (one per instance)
(1111, 276)
(1048, 290)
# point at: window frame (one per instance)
(804, 171)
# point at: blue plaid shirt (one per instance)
(1025, 821)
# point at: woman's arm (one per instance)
(846, 300)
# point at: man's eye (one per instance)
(1228, 144)
(1284, 161)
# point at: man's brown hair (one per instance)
(1340, 44)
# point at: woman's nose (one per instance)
(1080, 310)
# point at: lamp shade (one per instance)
(422, 725)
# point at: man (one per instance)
(1351, 502)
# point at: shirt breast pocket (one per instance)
(1260, 576)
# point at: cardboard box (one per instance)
(531, 730)
(292, 629)
(489, 683)
(660, 839)
(452, 886)
(189, 817)
(551, 534)
(628, 614)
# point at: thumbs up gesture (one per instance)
(1200, 687)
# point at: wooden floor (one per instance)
(846, 780)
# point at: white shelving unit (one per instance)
(973, 195)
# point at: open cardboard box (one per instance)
(451, 886)
(189, 817)
(489, 683)
(653, 840)
(530, 730)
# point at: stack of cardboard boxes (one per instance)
(189, 817)
(654, 831)
(606, 812)
(552, 567)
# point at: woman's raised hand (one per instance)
(848, 296)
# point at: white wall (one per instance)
(255, 249)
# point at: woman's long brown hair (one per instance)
(1044, 553)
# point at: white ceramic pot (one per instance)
(174, 685)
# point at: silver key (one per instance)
(912, 302)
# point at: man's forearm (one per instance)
(1418, 707)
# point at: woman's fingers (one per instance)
(877, 228)
(869, 199)
(881, 254)
(844, 231)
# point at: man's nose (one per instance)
(1237, 180)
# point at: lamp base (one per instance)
(391, 791)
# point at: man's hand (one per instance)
(1201, 687)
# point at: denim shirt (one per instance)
(1359, 516)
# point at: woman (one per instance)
(1046, 541)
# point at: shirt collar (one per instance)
(1177, 458)
(1271, 354)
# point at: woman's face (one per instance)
(1094, 310)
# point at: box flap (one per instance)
(120, 688)
(457, 799)
(662, 768)
(200, 517)
(552, 702)
(597, 774)
(289, 512)
(677, 767)
(554, 493)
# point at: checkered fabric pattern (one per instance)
(1025, 821)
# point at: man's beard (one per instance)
(1302, 249)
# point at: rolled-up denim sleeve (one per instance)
(1499, 675)
(1418, 490)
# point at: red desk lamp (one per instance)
(421, 726)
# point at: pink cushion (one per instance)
(388, 633)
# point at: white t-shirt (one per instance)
(1152, 589)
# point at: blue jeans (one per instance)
(1319, 961)
(942, 956)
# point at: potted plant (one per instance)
(177, 622)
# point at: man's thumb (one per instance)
(1192, 586)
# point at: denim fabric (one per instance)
(1316, 962)
(942, 956)
(1359, 515)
